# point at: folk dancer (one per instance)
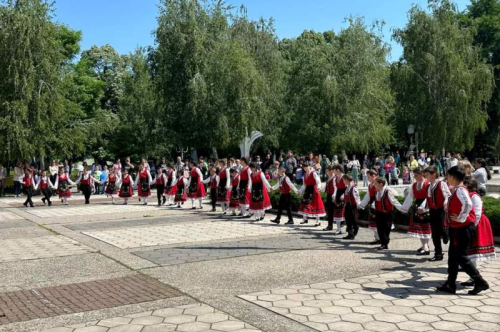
(368, 201)
(385, 202)
(312, 205)
(285, 186)
(143, 183)
(180, 184)
(224, 189)
(244, 188)
(351, 202)
(126, 186)
(234, 202)
(260, 201)
(196, 187)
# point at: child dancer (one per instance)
(285, 186)
(461, 218)
(312, 205)
(62, 184)
(338, 207)
(113, 184)
(46, 188)
(28, 187)
(368, 201)
(213, 180)
(351, 202)
(330, 193)
(260, 201)
(160, 185)
(126, 188)
(196, 187)
(170, 188)
(244, 188)
(234, 202)
(223, 192)
(385, 202)
(180, 184)
(86, 182)
(143, 182)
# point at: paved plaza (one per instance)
(136, 268)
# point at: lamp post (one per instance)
(411, 132)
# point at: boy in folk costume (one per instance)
(160, 185)
(244, 188)
(368, 201)
(126, 188)
(213, 181)
(385, 202)
(180, 184)
(351, 202)
(461, 218)
(46, 188)
(223, 192)
(312, 205)
(330, 196)
(234, 202)
(170, 188)
(86, 182)
(285, 186)
(260, 201)
(63, 183)
(143, 183)
(112, 185)
(415, 200)
(338, 205)
(28, 184)
(196, 190)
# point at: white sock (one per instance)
(244, 211)
(425, 244)
(318, 221)
(192, 202)
(375, 233)
(200, 200)
(145, 200)
(339, 225)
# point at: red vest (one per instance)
(436, 197)
(330, 189)
(44, 184)
(339, 182)
(159, 179)
(235, 181)
(422, 193)
(244, 174)
(143, 174)
(256, 178)
(170, 174)
(126, 179)
(112, 178)
(222, 173)
(213, 182)
(454, 207)
(384, 205)
(309, 180)
(85, 181)
(27, 181)
(349, 198)
(372, 191)
(284, 187)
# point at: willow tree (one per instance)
(442, 85)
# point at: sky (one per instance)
(127, 24)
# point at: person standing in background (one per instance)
(53, 169)
(103, 179)
(18, 173)
(355, 166)
(290, 164)
(117, 166)
(179, 165)
(3, 175)
(67, 168)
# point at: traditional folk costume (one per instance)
(385, 202)
(46, 189)
(420, 226)
(438, 194)
(260, 201)
(223, 192)
(28, 189)
(330, 192)
(180, 184)
(170, 188)
(244, 190)
(368, 201)
(62, 184)
(196, 187)
(213, 181)
(483, 245)
(338, 205)
(160, 187)
(112, 186)
(351, 203)
(285, 186)
(143, 184)
(234, 202)
(86, 182)
(312, 205)
(126, 188)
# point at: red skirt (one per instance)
(234, 201)
(124, 194)
(226, 198)
(171, 192)
(200, 192)
(109, 191)
(142, 193)
(338, 213)
(180, 197)
(483, 247)
(261, 206)
(64, 194)
(420, 227)
(246, 199)
(314, 209)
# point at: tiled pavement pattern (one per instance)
(40, 247)
(397, 301)
(73, 298)
(188, 318)
(221, 250)
(184, 233)
(4, 216)
(88, 210)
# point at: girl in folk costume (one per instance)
(438, 194)
(234, 202)
(170, 188)
(330, 196)
(28, 184)
(483, 245)
(113, 184)
(285, 186)
(224, 190)
(461, 218)
(312, 204)
(260, 201)
(338, 207)
(196, 189)
(127, 186)
(351, 202)
(213, 181)
(368, 201)
(142, 182)
(86, 182)
(385, 202)
(46, 188)
(180, 184)
(244, 187)
(160, 185)
(420, 226)
(62, 184)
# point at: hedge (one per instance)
(492, 209)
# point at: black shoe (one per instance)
(446, 238)
(25, 204)
(193, 208)
(213, 210)
(328, 229)
(43, 200)
(479, 286)
(423, 253)
(304, 222)
(289, 222)
(164, 200)
(383, 248)
(276, 221)
(240, 215)
(419, 250)
(436, 258)
(447, 288)
(245, 217)
(348, 237)
(50, 203)
(261, 218)
(356, 231)
(374, 242)
(468, 283)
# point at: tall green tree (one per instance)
(441, 83)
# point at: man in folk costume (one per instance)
(312, 205)
(385, 202)
(260, 201)
(126, 187)
(285, 186)
(170, 188)
(112, 186)
(223, 192)
(213, 180)
(415, 200)
(338, 208)
(160, 185)
(28, 186)
(196, 190)
(180, 184)
(368, 201)
(46, 188)
(330, 196)
(86, 182)
(461, 218)
(143, 183)
(234, 202)
(63, 183)
(351, 202)
(244, 188)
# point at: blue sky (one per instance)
(126, 24)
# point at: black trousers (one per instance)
(87, 191)
(29, 194)
(384, 224)
(213, 197)
(159, 192)
(460, 241)
(329, 210)
(351, 220)
(285, 200)
(47, 194)
(437, 227)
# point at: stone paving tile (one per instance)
(40, 247)
(396, 301)
(184, 233)
(5, 215)
(88, 210)
(213, 251)
(188, 318)
(53, 301)
(4, 224)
